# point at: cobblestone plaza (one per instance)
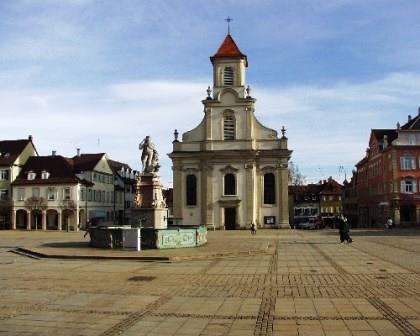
(279, 282)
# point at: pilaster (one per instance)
(207, 195)
(250, 192)
(178, 191)
(283, 196)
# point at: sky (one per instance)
(101, 75)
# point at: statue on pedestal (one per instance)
(149, 156)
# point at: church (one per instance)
(230, 171)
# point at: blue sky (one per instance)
(100, 75)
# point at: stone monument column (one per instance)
(150, 208)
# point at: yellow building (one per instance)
(230, 170)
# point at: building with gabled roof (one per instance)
(388, 177)
(60, 193)
(13, 155)
(230, 171)
(125, 180)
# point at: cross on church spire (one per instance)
(228, 20)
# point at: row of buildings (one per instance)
(318, 202)
(61, 193)
(385, 183)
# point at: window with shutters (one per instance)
(269, 188)
(230, 184)
(191, 190)
(408, 186)
(229, 127)
(228, 76)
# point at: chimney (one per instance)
(30, 136)
(409, 118)
(78, 152)
(398, 125)
(418, 111)
(53, 153)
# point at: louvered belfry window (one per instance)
(228, 76)
(229, 127)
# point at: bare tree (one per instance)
(295, 176)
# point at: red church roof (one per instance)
(229, 49)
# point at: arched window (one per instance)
(269, 188)
(230, 184)
(228, 76)
(191, 190)
(229, 127)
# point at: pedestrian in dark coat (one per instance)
(344, 229)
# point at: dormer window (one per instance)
(228, 76)
(45, 175)
(31, 175)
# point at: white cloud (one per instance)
(327, 126)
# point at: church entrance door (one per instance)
(230, 218)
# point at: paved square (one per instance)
(280, 282)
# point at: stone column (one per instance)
(283, 196)
(29, 220)
(179, 191)
(44, 220)
(78, 218)
(59, 221)
(397, 220)
(250, 193)
(13, 219)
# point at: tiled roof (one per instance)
(331, 186)
(305, 189)
(116, 166)
(228, 49)
(59, 168)
(392, 134)
(413, 124)
(10, 150)
(86, 161)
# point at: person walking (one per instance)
(253, 228)
(389, 223)
(344, 229)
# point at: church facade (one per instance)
(230, 171)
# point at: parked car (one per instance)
(310, 224)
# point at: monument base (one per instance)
(174, 237)
(150, 217)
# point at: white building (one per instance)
(58, 193)
(230, 170)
